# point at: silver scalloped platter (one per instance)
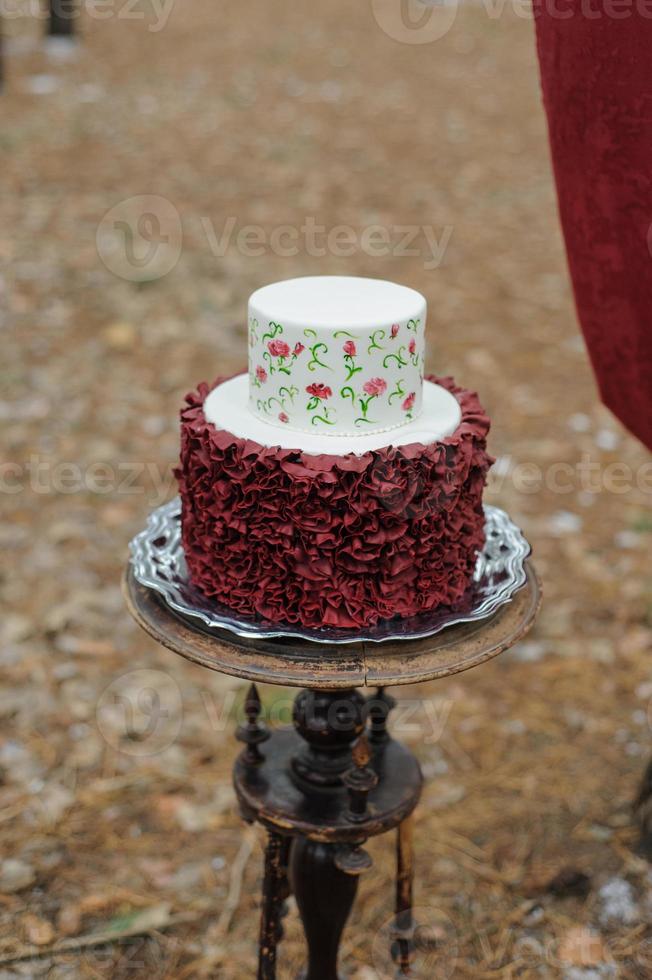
(159, 563)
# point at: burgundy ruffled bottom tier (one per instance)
(329, 540)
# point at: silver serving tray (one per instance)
(159, 563)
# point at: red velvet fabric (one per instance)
(332, 540)
(596, 72)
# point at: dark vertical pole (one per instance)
(325, 896)
(404, 940)
(274, 893)
(378, 709)
(643, 811)
(62, 18)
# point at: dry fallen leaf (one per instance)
(69, 920)
(37, 931)
(15, 875)
(120, 335)
(583, 947)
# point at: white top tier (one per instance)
(336, 354)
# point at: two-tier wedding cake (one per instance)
(332, 485)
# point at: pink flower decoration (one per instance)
(413, 346)
(319, 391)
(349, 348)
(408, 404)
(261, 374)
(278, 348)
(394, 330)
(375, 386)
(282, 417)
(297, 349)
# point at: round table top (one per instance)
(269, 794)
(300, 663)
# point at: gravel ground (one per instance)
(234, 122)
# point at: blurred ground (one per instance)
(114, 806)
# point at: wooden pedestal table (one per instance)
(336, 778)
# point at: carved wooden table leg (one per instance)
(403, 947)
(325, 897)
(643, 813)
(284, 885)
(271, 929)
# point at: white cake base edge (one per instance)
(227, 407)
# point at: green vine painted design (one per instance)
(275, 329)
(279, 402)
(364, 408)
(413, 325)
(373, 344)
(253, 331)
(347, 392)
(344, 333)
(314, 360)
(398, 357)
(398, 392)
(270, 362)
(309, 332)
(351, 369)
(282, 366)
(266, 404)
(325, 418)
(291, 393)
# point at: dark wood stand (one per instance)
(336, 778)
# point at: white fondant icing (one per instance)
(336, 354)
(227, 408)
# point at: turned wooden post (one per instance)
(325, 897)
(403, 946)
(253, 733)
